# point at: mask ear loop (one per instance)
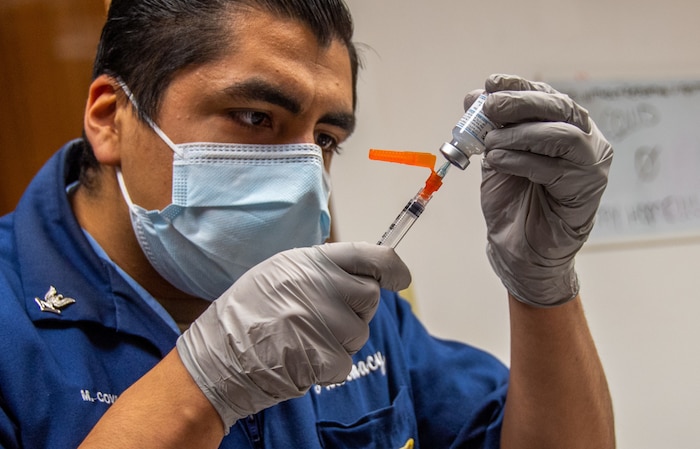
(150, 122)
(122, 187)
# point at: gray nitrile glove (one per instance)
(288, 323)
(544, 173)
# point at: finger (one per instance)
(348, 327)
(335, 370)
(378, 262)
(500, 192)
(360, 294)
(534, 167)
(507, 107)
(568, 183)
(573, 188)
(348, 307)
(555, 140)
(471, 97)
(499, 82)
(318, 293)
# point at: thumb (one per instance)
(364, 259)
(471, 97)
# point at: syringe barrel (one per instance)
(403, 222)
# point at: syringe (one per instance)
(467, 140)
(413, 209)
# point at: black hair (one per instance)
(145, 42)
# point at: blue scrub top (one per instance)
(60, 372)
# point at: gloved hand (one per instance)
(543, 175)
(288, 323)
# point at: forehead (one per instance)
(284, 52)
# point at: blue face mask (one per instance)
(233, 206)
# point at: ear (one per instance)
(100, 121)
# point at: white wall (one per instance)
(641, 300)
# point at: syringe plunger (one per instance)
(403, 221)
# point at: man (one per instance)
(207, 128)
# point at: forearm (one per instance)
(558, 396)
(164, 409)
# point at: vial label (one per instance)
(475, 122)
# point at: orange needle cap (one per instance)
(417, 159)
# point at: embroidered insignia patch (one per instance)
(409, 444)
(53, 301)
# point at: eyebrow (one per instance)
(342, 120)
(258, 89)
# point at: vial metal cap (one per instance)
(454, 155)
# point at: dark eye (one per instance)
(327, 143)
(252, 118)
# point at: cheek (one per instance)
(148, 172)
(327, 162)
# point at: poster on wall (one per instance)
(654, 185)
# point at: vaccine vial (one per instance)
(468, 135)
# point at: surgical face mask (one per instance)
(233, 206)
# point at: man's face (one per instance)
(277, 85)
